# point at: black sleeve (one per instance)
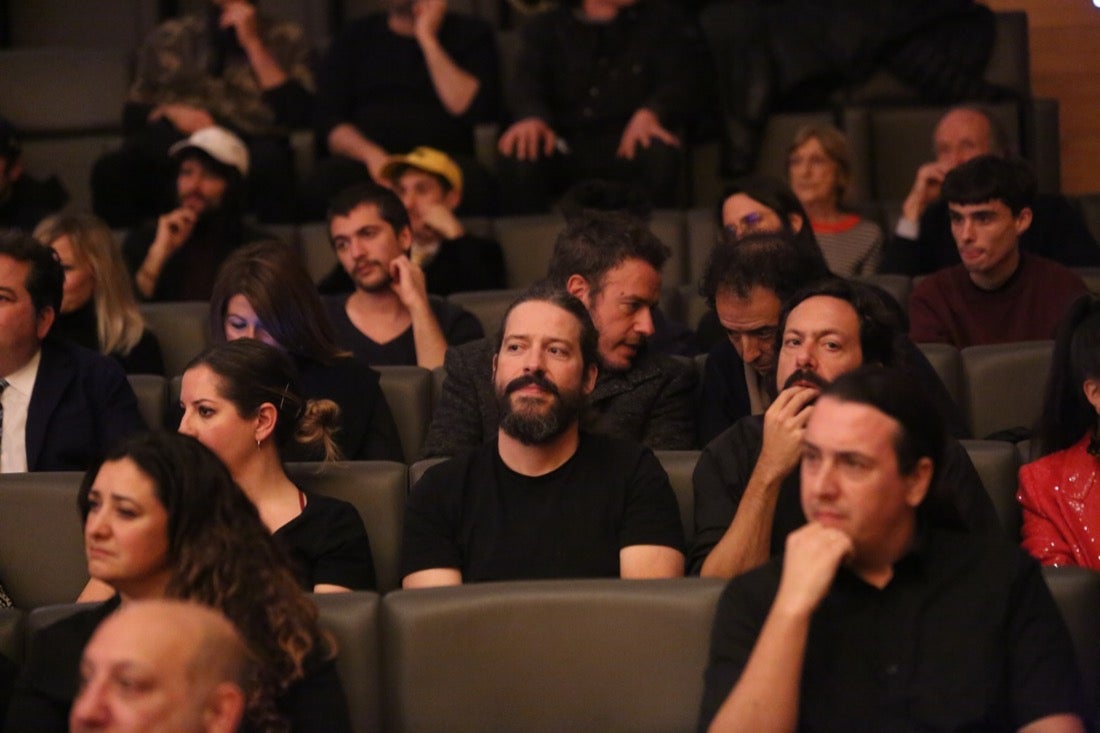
(677, 90)
(1043, 674)
(716, 498)
(738, 619)
(335, 99)
(432, 514)
(530, 90)
(652, 515)
(670, 420)
(459, 326)
(1061, 234)
(291, 102)
(317, 702)
(475, 52)
(383, 442)
(113, 403)
(343, 553)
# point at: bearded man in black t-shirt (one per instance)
(545, 499)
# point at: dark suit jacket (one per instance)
(652, 403)
(81, 406)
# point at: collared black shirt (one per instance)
(964, 637)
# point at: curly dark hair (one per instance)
(223, 556)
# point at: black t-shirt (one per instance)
(475, 514)
(328, 544)
(964, 637)
(458, 326)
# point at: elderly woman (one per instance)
(819, 168)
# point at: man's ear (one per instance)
(225, 708)
(44, 321)
(918, 482)
(495, 367)
(405, 239)
(266, 417)
(590, 373)
(452, 199)
(1023, 220)
(578, 287)
(796, 222)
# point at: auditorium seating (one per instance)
(1077, 593)
(1003, 385)
(181, 330)
(352, 619)
(487, 305)
(997, 463)
(377, 490)
(680, 465)
(150, 390)
(408, 391)
(947, 362)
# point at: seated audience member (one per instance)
(611, 263)
(746, 282)
(429, 184)
(413, 75)
(746, 480)
(1058, 491)
(819, 168)
(601, 89)
(24, 200)
(545, 499)
(758, 205)
(163, 519)
(176, 257)
(390, 318)
(264, 292)
(241, 401)
(62, 405)
(98, 309)
(229, 65)
(193, 666)
(924, 242)
(875, 618)
(997, 294)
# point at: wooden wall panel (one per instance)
(1065, 65)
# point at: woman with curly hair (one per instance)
(98, 308)
(264, 292)
(1060, 492)
(163, 519)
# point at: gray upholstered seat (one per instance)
(1003, 385)
(352, 618)
(180, 328)
(580, 655)
(997, 463)
(680, 465)
(408, 391)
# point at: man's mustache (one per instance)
(804, 375)
(535, 378)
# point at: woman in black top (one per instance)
(264, 292)
(163, 519)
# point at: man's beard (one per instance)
(538, 428)
(804, 375)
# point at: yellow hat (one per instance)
(426, 159)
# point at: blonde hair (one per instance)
(835, 145)
(119, 324)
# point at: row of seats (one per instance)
(592, 655)
(37, 570)
(66, 99)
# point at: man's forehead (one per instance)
(758, 307)
(824, 313)
(361, 215)
(850, 426)
(13, 273)
(544, 320)
(632, 278)
(963, 124)
(994, 205)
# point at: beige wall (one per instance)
(1065, 65)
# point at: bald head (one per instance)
(967, 132)
(159, 666)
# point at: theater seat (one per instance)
(41, 538)
(377, 490)
(152, 397)
(527, 242)
(12, 630)
(1003, 385)
(416, 470)
(680, 465)
(947, 362)
(488, 306)
(408, 391)
(573, 655)
(180, 329)
(352, 618)
(1076, 590)
(997, 463)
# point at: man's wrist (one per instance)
(907, 228)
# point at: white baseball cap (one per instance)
(220, 144)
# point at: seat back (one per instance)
(898, 286)
(352, 618)
(377, 490)
(607, 655)
(408, 391)
(701, 231)
(1076, 590)
(680, 465)
(997, 463)
(947, 362)
(527, 243)
(13, 623)
(416, 470)
(41, 539)
(668, 225)
(152, 396)
(1003, 385)
(181, 330)
(488, 306)
(316, 250)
